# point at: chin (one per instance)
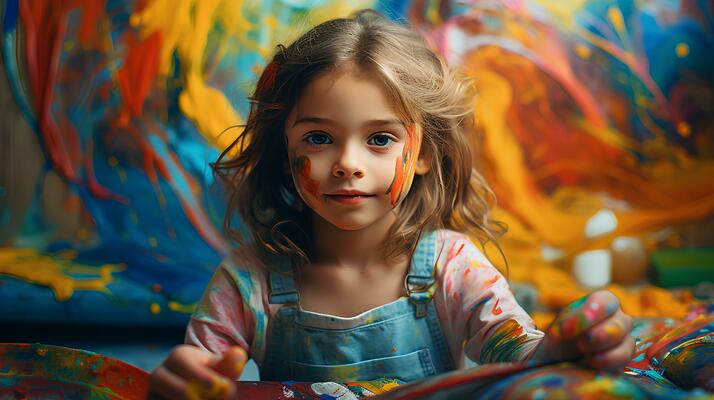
(349, 225)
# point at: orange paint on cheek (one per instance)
(395, 189)
(406, 165)
(301, 169)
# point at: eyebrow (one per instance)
(373, 122)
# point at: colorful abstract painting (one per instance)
(113, 110)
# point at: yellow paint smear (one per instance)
(182, 308)
(58, 273)
(185, 25)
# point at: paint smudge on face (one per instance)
(405, 165)
(505, 343)
(301, 172)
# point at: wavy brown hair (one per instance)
(422, 88)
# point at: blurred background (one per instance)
(595, 122)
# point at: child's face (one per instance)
(351, 158)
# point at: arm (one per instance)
(478, 302)
(478, 308)
(218, 340)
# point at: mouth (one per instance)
(348, 196)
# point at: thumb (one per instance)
(232, 363)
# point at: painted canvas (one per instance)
(113, 111)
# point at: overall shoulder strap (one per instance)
(282, 286)
(420, 279)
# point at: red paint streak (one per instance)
(92, 11)
(154, 163)
(45, 25)
(496, 310)
(137, 75)
(664, 342)
(308, 184)
(452, 252)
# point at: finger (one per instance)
(191, 363)
(583, 314)
(614, 359)
(607, 334)
(201, 382)
(232, 363)
(167, 385)
(221, 388)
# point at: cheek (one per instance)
(302, 167)
(405, 166)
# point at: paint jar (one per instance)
(630, 261)
(592, 268)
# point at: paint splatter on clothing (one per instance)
(478, 313)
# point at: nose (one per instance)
(348, 164)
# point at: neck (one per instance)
(356, 248)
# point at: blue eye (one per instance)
(318, 139)
(380, 140)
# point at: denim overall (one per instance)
(400, 340)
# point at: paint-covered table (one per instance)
(37, 371)
(673, 361)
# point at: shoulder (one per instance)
(460, 261)
(244, 272)
(453, 246)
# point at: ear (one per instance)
(423, 164)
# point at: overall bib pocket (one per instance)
(406, 368)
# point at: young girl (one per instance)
(354, 180)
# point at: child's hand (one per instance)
(593, 328)
(191, 373)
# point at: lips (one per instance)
(348, 196)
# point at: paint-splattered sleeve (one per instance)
(477, 310)
(231, 312)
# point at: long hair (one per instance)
(422, 89)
